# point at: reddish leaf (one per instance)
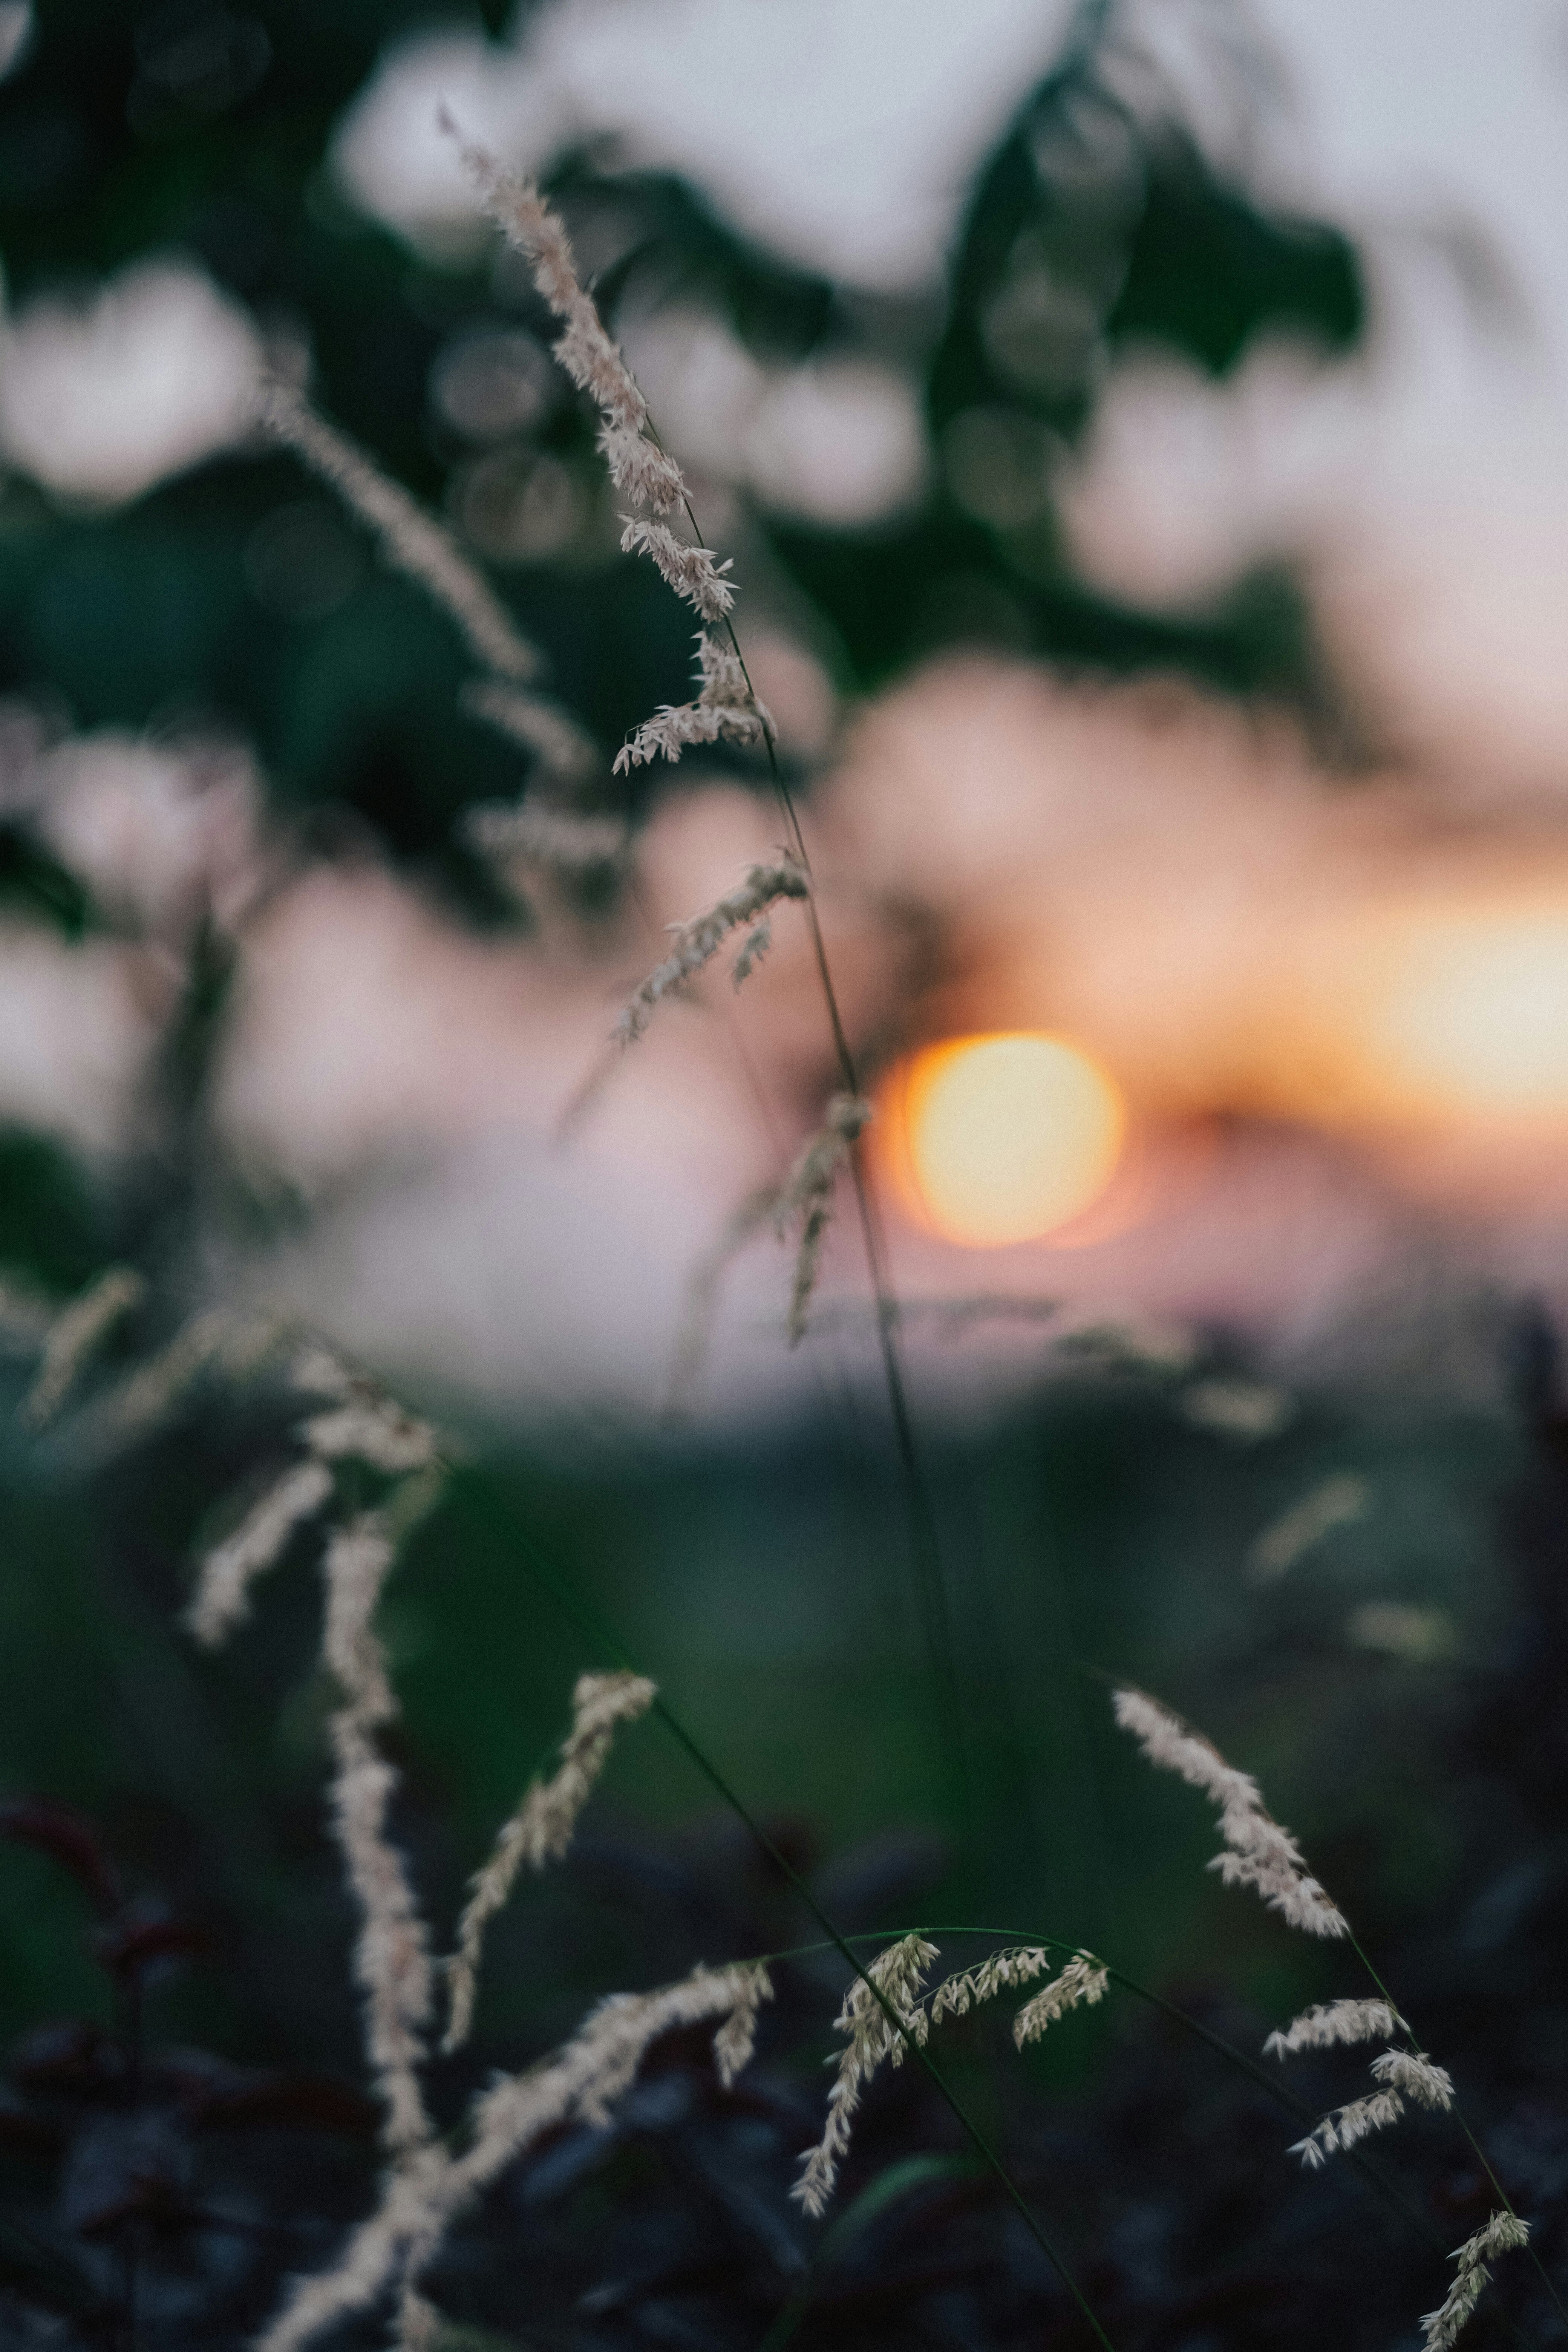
(72, 2056)
(127, 2166)
(133, 1945)
(287, 2102)
(73, 1841)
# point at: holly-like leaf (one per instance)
(71, 2058)
(285, 2101)
(69, 1839)
(133, 1945)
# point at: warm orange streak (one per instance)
(1002, 1137)
(1474, 1020)
(1429, 1014)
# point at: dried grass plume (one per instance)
(1084, 1979)
(582, 2082)
(1502, 2233)
(1258, 1852)
(391, 1958)
(223, 1591)
(541, 1828)
(699, 939)
(411, 540)
(871, 2035)
(725, 710)
(1336, 2021)
(807, 1195)
(76, 1333)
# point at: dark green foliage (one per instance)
(185, 603)
(33, 883)
(767, 1592)
(51, 1224)
(1206, 272)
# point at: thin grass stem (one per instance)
(936, 1618)
(1281, 2097)
(1460, 2118)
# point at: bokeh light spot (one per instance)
(1475, 1019)
(1001, 1138)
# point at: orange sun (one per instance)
(1002, 1137)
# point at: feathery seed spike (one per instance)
(1083, 1980)
(1501, 2234)
(1415, 2074)
(80, 1328)
(725, 709)
(1343, 2126)
(806, 1193)
(391, 1958)
(411, 540)
(370, 1428)
(1258, 1853)
(689, 569)
(566, 749)
(697, 942)
(537, 834)
(541, 1828)
(223, 1594)
(737, 2037)
(421, 2199)
(898, 1973)
(957, 1995)
(1336, 2021)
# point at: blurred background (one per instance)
(1138, 430)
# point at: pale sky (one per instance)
(846, 134)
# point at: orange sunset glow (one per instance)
(1002, 1137)
(1464, 1013)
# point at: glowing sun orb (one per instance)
(1002, 1137)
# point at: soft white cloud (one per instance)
(834, 441)
(701, 382)
(101, 398)
(160, 838)
(1184, 482)
(80, 1025)
(1423, 486)
(1430, 112)
(1420, 488)
(842, 137)
(1447, 616)
(394, 160)
(840, 442)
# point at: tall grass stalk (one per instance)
(1269, 2083)
(426, 2185)
(640, 465)
(421, 548)
(925, 1546)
